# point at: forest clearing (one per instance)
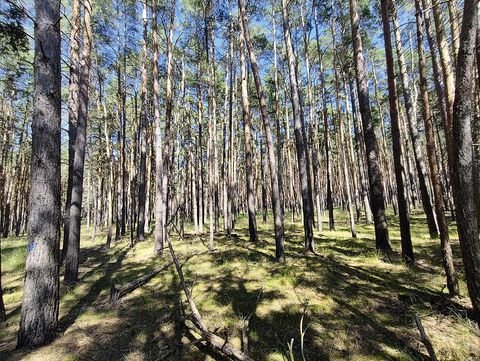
(239, 180)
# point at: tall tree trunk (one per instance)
(252, 222)
(169, 119)
(73, 249)
(406, 240)
(159, 226)
(232, 84)
(464, 155)
(39, 314)
(448, 76)
(414, 135)
(447, 256)
(272, 158)
(300, 136)
(342, 146)
(73, 94)
(142, 193)
(278, 115)
(377, 198)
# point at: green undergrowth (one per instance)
(354, 305)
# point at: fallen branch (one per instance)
(118, 292)
(425, 339)
(219, 344)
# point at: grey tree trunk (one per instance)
(447, 257)
(252, 222)
(159, 224)
(414, 135)
(464, 155)
(39, 314)
(406, 240)
(72, 111)
(142, 174)
(272, 158)
(377, 197)
(73, 249)
(300, 135)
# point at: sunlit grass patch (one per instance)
(355, 304)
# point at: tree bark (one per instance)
(74, 91)
(39, 314)
(406, 240)
(159, 226)
(447, 256)
(412, 125)
(464, 155)
(252, 222)
(142, 193)
(300, 136)
(73, 249)
(272, 158)
(377, 198)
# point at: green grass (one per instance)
(356, 306)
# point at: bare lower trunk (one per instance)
(73, 249)
(447, 257)
(252, 223)
(464, 156)
(39, 314)
(300, 136)
(407, 250)
(272, 159)
(377, 198)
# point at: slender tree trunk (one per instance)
(108, 147)
(464, 155)
(142, 194)
(448, 76)
(342, 146)
(377, 197)
(39, 314)
(278, 116)
(414, 135)
(406, 240)
(272, 159)
(232, 83)
(300, 136)
(447, 256)
(74, 91)
(3, 314)
(159, 227)
(252, 222)
(73, 249)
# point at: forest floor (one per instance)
(354, 305)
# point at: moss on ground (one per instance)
(356, 306)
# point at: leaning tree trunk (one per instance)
(406, 240)
(272, 159)
(447, 256)
(300, 136)
(39, 315)
(414, 135)
(464, 155)
(377, 198)
(73, 249)
(448, 76)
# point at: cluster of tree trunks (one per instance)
(139, 156)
